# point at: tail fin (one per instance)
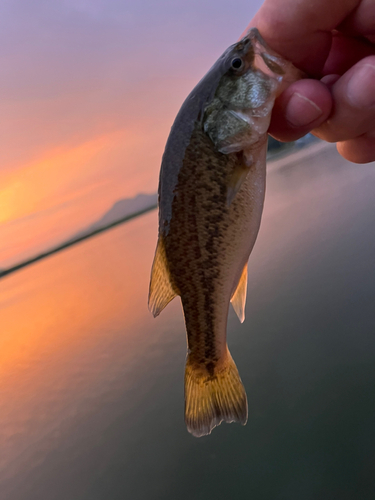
(210, 399)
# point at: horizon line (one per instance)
(74, 241)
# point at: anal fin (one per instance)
(238, 299)
(161, 289)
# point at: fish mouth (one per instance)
(241, 116)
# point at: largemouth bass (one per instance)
(211, 192)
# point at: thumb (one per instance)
(303, 106)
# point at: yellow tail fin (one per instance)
(211, 399)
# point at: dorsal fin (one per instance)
(161, 289)
(238, 299)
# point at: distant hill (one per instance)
(122, 208)
(121, 211)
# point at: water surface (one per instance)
(91, 386)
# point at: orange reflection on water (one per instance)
(49, 302)
(69, 325)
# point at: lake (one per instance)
(91, 386)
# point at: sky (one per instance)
(88, 93)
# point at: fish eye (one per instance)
(236, 63)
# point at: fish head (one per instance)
(253, 75)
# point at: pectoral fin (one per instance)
(236, 179)
(238, 299)
(161, 289)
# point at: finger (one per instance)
(354, 104)
(329, 80)
(345, 52)
(358, 150)
(361, 20)
(303, 106)
(300, 30)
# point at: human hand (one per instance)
(333, 41)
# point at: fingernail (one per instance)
(300, 111)
(361, 87)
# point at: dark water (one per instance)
(91, 388)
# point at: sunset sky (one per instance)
(88, 92)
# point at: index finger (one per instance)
(301, 30)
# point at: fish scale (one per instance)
(211, 193)
(195, 212)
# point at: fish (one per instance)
(211, 194)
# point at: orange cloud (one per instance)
(55, 178)
(45, 201)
